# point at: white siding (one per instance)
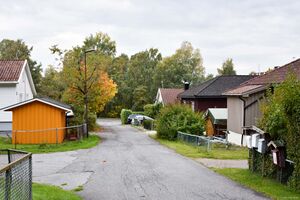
(23, 89)
(11, 94)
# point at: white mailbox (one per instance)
(254, 140)
(261, 146)
(248, 141)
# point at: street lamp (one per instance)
(85, 91)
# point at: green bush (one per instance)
(138, 112)
(173, 118)
(152, 110)
(281, 118)
(148, 124)
(124, 115)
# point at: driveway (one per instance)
(130, 165)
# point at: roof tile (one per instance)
(10, 70)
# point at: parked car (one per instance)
(138, 120)
(131, 117)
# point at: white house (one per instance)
(16, 85)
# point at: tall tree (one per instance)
(185, 65)
(18, 50)
(227, 68)
(99, 89)
(141, 70)
(52, 84)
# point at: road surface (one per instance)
(130, 165)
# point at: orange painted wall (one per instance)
(37, 116)
(210, 131)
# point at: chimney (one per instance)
(186, 85)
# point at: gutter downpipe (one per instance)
(244, 115)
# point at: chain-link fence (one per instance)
(207, 143)
(49, 136)
(15, 175)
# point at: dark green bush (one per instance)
(281, 118)
(124, 115)
(152, 110)
(138, 112)
(148, 124)
(173, 118)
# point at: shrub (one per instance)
(124, 115)
(148, 124)
(281, 118)
(152, 110)
(178, 117)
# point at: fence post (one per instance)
(7, 184)
(30, 178)
(56, 136)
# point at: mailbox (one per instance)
(261, 146)
(254, 140)
(248, 141)
(278, 153)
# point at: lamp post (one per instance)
(86, 92)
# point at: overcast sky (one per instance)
(257, 34)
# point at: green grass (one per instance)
(217, 152)
(86, 143)
(42, 192)
(268, 187)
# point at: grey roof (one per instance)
(45, 100)
(215, 87)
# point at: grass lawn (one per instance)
(269, 187)
(86, 143)
(42, 192)
(217, 152)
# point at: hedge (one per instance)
(124, 115)
(173, 118)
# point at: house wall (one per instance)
(37, 116)
(235, 107)
(23, 89)
(253, 113)
(12, 94)
(158, 97)
(201, 105)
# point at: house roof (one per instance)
(10, 70)
(215, 87)
(169, 95)
(259, 83)
(47, 101)
(218, 115)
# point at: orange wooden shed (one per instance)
(39, 121)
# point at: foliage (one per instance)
(152, 110)
(186, 64)
(85, 143)
(50, 192)
(178, 117)
(148, 124)
(52, 84)
(140, 98)
(17, 49)
(285, 109)
(227, 68)
(266, 186)
(217, 151)
(124, 115)
(141, 70)
(88, 79)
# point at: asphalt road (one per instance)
(130, 165)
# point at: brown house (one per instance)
(209, 94)
(243, 101)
